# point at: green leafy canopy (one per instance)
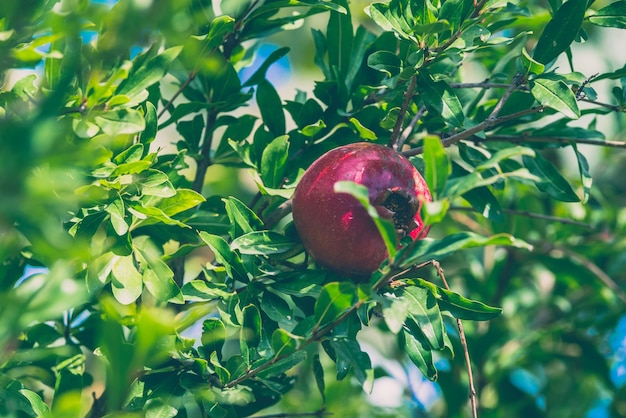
(149, 263)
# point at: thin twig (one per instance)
(316, 335)
(517, 81)
(192, 76)
(394, 141)
(589, 265)
(549, 139)
(531, 215)
(470, 375)
(481, 85)
(611, 107)
(468, 133)
(411, 126)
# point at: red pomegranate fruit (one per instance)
(335, 228)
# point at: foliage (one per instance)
(132, 282)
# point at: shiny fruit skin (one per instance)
(334, 227)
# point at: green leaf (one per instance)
(484, 202)
(225, 82)
(275, 5)
(274, 161)
(183, 200)
(611, 16)
(151, 215)
(126, 282)
(560, 31)
(271, 108)
(157, 276)
(235, 8)
(192, 130)
(121, 121)
(213, 336)
(202, 291)
(242, 219)
(440, 99)
(148, 72)
(334, 300)
(459, 186)
(556, 95)
(152, 124)
(132, 154)
(422, 311)
(117, 213)
(46, 296)
(251, 326)
(585, 176)
(340, 40)
(395, 311)
(437, 165)
(530, 65)
(283, 365)
(504, 154)
(429, 249)
(419, 354)
(277, 309)
(318, 372)
(37, 405)
(349, 355)
(459, 306)
(225, 256)
(283, 342)
(364, 133)
(155, 183)
(313, 129)
(222, 373)
(386, 228)
(386, 62)
(552, 182)
(223, 25)
(262, 243)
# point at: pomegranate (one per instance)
(335, 229)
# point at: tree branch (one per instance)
(394, 141)
(589, 265)
(517, 81)
(486, 124)
(611, 107)
(549, 139)
(192, 76)
(411, 126)
(530, 215)
(205, 153)
(316, 335)
(480, 85)
(468, 363)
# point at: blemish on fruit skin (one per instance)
(346, 219)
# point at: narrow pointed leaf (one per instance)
(561, 31)
(437, 165)
(552, 182)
